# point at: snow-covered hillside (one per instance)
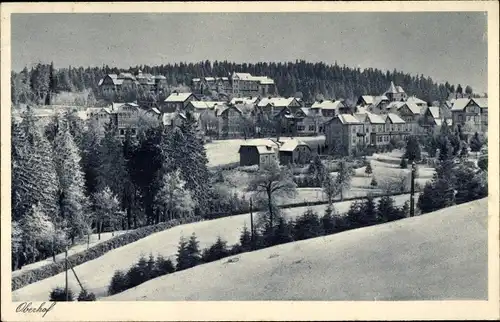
(96, 274)
(437, 256)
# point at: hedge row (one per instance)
(96, 251)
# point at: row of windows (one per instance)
(382, 128)
(380, 139)
(303, 128)
(122, 131)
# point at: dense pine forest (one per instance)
(300, 78)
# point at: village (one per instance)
(249, 109)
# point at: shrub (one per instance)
(216, 251)
(85, 296)
(246, 239)
(328, 220)
(59, 295)
(483, 164)
(369, 169)
(282, 233)
(188, 253)
(403, 163)
(118, 283)
(307, 226)
(52, 269)
(374, 182)
(138, 273)
(163, 266)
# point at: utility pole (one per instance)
(66, 270)
(412, 191)
(251, 225)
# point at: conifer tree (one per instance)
(36, 228)
(90, 157)
(72, 199)
(34, 179)
(112, 172)
(246, 239)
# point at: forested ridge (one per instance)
(292, 78)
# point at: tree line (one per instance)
(300, 78)
(69, 180)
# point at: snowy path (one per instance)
(71, 251)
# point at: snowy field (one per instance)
(221, 152)
(79, 247)
(95, 275)
(437, 256)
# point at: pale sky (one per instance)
(444, 46)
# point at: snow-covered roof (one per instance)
(275, 101)
(395, 105)
(368, 99)
(392, 89)
(264, 146)
(400, 89)
(265, 149)
(348, 119)
(378, 99)
(415, 100)
(266, 81)
(206, 104)
(291, 145)
(155, 110)
(434, 110)
(460, 104)
(394, 118)
(374, 118)
(167, 118)
(481, 102)
(178, 97)
(305, 110)
(328, 105)
(414, 108)
(245, 100)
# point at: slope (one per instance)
(440, 255)
(95, 275)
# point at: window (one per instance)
(122, 132)
(353, 129)
(311, 127)
(367, 129)
(301, 128)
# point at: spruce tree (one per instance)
(328, 220)
(368, 169)
(193, 165)
(72, 199)
(112, 169)
(90, 157)
(34, 178)
(246, 239)
(385, 209)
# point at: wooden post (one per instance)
(412, 191)
(66, 270)
(251, 225)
